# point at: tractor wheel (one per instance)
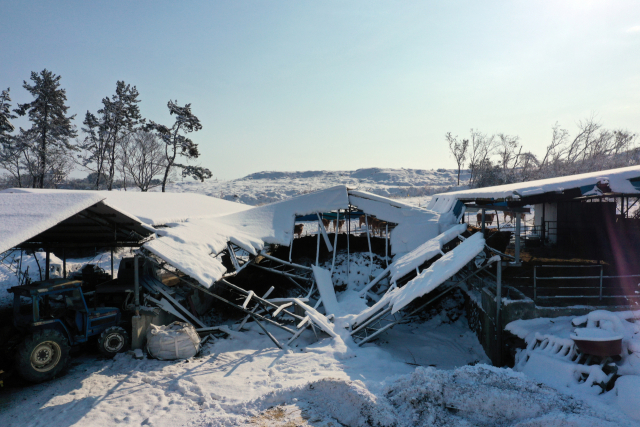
(113, 340)
(42, 356)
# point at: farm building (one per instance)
(573, 244)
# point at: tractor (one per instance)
(57, 318)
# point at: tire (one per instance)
(113, 340)
(42, 356)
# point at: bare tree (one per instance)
(458, 149)
(509, 156)
(482, 147)
(142, 158)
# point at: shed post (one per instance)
(47, 265)
(348, 219)
(517, 249)
(498, 313)
(318, 245)
(366, 220)
(136, 284)
(542, 224)
(64, 263)
(111, 263)
(335, 244)
(138, 325)
(483, 224)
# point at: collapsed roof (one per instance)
(192, 246)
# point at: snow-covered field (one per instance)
(430, 372)
(266, 187)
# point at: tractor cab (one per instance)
(53, 315)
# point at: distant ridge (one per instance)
(272, 186)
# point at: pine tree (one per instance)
(5, 114)
(177, 144)
(105, 133)
(51, 128)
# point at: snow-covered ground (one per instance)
(244, 380)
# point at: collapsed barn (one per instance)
(275, 265)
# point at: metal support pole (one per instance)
(335, 244)
(47, 265)
(601, 272)
(136, 284)
(111, 263)
(366, 221)
(517, 251)
(291, 246)
(64, 263)
(348, 218)
(542, 230)
(499, 313)
(318, 245)
(484, 234)
(386, 246)
(535, 289)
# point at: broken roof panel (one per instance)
(415, 225)
(622, 181)
(414, 259)
(24, 216)
(191, 246)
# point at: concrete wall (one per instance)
(481, 314)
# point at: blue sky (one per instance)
(308, 85)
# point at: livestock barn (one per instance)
(573, 243)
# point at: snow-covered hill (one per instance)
(266, 187)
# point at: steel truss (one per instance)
(384, 319)
(259, 309)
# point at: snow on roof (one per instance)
(273, 223)
(618, 180)
(191, 246)
(157, 208)
(439, 271)
(23, 216)
(415, 225)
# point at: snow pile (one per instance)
(26, 215)
(349, 402)
(468, 396)
(482, 395)
(627, 396)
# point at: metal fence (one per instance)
(585, 291)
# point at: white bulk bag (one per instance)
(178, 340)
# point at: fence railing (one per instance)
(581, 291)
